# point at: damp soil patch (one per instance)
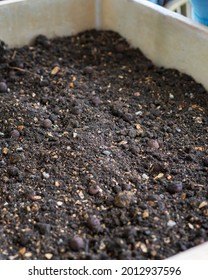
(102, 154)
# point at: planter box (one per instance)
(168, 39)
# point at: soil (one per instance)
(103, 155)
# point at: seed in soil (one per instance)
(47, 123)
(88, 70)
(3, 87)
(76, 243)
(93, 190)
(15, 133)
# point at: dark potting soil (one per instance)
(103, 155)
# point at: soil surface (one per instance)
(103, 155)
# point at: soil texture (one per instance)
(102, 154)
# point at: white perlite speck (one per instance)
(46, 175)
(171, 223)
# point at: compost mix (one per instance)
(102, 154)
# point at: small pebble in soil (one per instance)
(14, 158)
(24, 239)
(174, 187)
(77, 110)
(123, 199)
(76, 243)
(120, 47)
(46, 123)
(43, 228)
(13, 171)
(127, 117)
(43, 41)
(158, 167)
(96, 101)
(88, 70)
(15, 133)
(93, 190)
(132, 133)
(93, 223)
(134, 149)
(153, 144)
(3, 87)
(130, 232)
(2, 163)
(116, 111)
(44, 83)
(155, 112)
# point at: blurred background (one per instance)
(179, 6)
(197, 10)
